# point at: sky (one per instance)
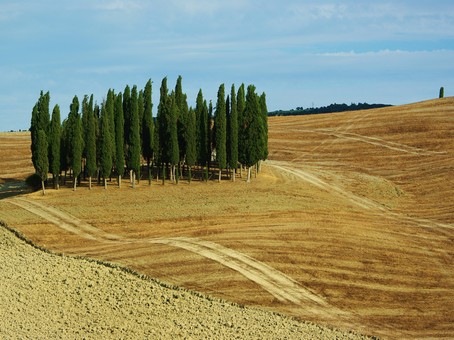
(300, 53)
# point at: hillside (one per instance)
(350, 223)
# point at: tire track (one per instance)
(282, 287)
(376, 141)
(442, 228)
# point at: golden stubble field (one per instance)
(350, 223)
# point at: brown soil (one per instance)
(350, 223)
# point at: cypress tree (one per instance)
(201, 112)
(54, 145)
(90, 143)
(264, 132)
(173, 153)
(182, 117)
(40, 121)
(162, 140)
(442, 92)
(221, 130)
(211, 133)
(42, 160)
(76, 141)
(233, 132)
(241, 104)
(64, 149)
(127, 121)
(110, 104)
(147, 128)
(134, 135)
(119, 137)
(106, 145)
(252, 126)
(191, 142)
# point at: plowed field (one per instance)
(349, 224)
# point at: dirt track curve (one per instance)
(276, 283)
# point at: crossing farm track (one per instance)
(349, 224)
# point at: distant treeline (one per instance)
(326, 109)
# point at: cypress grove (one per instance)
(122, 131)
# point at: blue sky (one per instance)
(300, 53)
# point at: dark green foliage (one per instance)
(90, 141)
(119, 135)
(127, 119)
(191, 141)
(241, 104)
(134, 135)
(201, 112)
(54, 142)
(264, 130)
(221, 130)
(232, 119)
(442, 92)
(106, 144)
(64, 147)
(252, 129)
(110, 105)
(162, 139)
(299, 111)
(40, 121)
(42, 160)
(75, 138)
(182, 117)
(147, 125)
(173, 153)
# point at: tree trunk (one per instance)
(105, 183)
(58, 181)
(163, 174)
(133, 179)
(89, 182)
(119, 181)
(43, 187)
(130, 176)
(248, 175)
(149, 171)
(220, 175)
(189, 174)
(75, 182)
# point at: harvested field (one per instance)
(350, 223)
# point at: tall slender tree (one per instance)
(442, 92)
(191, 142)
(90, 144)
(127, 121)
(241, 104)
(40, 121)
(221, 131)
(76, 140)
(42, 161)
(173, 153)
(147, 128)
(233, 133)
(264, 130)
(106, 145)
(201, 112)
(134, 135)
(162, 140)
(252, 126)
(54, 145)
(119, 137)
(110, 108)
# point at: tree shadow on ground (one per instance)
(10, 187)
